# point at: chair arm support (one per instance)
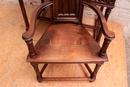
(29, 34)
(107, 33)
(105, 45)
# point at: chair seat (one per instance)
(67, 43)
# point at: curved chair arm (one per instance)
(29, 34)
(107, 33)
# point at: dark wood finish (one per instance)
(93, 75)
(67, 43)
(89, 69)
(39, 76)
(67, 40)
(24, 14)
(66, 10)
(105, 3)
(42, 1)
(109, 5)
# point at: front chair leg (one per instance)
(94, 74)
(39, 76)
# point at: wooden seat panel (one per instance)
(67, 43)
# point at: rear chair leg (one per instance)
(39, 76)
(94, 74)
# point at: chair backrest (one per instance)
(66, 10)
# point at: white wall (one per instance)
(121, 13)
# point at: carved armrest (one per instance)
(29, 34)
(109, 35)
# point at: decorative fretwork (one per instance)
(108, 2)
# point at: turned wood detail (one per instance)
(92, 77)
(103, 50)
(94, 74)
(31, 49)
(39, 76)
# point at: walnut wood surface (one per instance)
(67, 43)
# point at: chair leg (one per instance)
(94, 74)
(107, 13)
(24, 14)
(38, 74)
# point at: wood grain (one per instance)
(67, 43)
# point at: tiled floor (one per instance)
(16, 72)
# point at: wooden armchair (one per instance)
(66, 40)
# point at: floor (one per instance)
(16, 72)
(127, 44)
